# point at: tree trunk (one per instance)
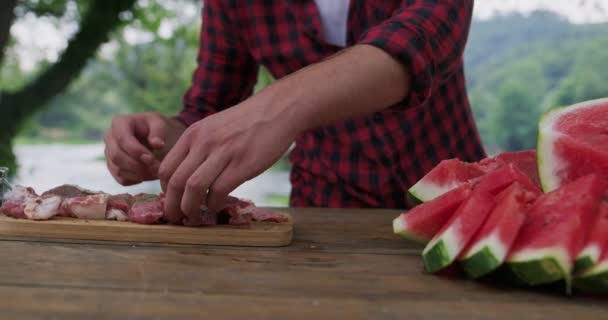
(15, 107)
(7, 15)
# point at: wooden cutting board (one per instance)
(266, 234)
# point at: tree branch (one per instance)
(95, 27)
(7, 15)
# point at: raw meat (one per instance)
(73, 201)
(80, 203)
(119, 206)
(147, 209)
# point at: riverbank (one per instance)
(44, 166)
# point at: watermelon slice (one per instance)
(525, 161)
(490, 246)
(447, 244)
(555, 231)
(452, 173)
(573, 142)
(597, 242)
(594, 279)
(446, 176)
(421, 223)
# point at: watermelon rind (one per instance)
(486, 256)
(540, 266)
(587, 258)
(413, 199)
(423, 192)
(548, 162)
(440, 252)
(400, 228)
(594, 279)
(437, 257)
(481, 263)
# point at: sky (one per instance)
(39, 38)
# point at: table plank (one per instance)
(69, 304)
(342, 263)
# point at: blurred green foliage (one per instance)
(517, 68)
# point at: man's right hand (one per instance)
(136, 143)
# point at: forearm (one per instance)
(358, 81)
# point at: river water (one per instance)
(45, 166)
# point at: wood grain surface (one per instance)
(256, 234)
(342, 264)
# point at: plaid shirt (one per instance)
(367, 161)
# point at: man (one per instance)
(372, 92)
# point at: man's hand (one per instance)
(135, 144)
(215, 155)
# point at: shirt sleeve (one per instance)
(429, 37)
(226, 72)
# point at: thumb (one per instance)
(157, 129)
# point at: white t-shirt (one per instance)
(334, 16)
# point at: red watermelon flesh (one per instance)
(446, 176)
(495, 182)
(489, 247)
(421, 223)
(556, 229)
(597, 243)
(573, 142)
(452, 173)
(525, 161)
(453, 237)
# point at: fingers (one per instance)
(195, 192)
(124, 133)
(233, 175)
(157, 132)
(172, 161)
(123, 177)
(176, 187)
(124, 169)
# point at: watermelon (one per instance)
(594, 279)
(597, 242)
(446, 176)
(452, 173)
(421, 223)
(500, 179)
(447, 244)
(555, 231)
(525, 161)
(489, 247)
(572, 142)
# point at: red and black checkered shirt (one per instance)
(367, 161)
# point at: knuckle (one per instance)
(175, 184)
(114, 158)
(219, 189)
(163, 172)
(194, 185)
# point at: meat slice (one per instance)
(147, 209)
(260, 214)
(24, 203)
(119, 206)
(91, 207)
(242, 211)
(42, 208)
(15, 201)
(238, 211)
(80, 203)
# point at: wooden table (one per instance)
(343, 264)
